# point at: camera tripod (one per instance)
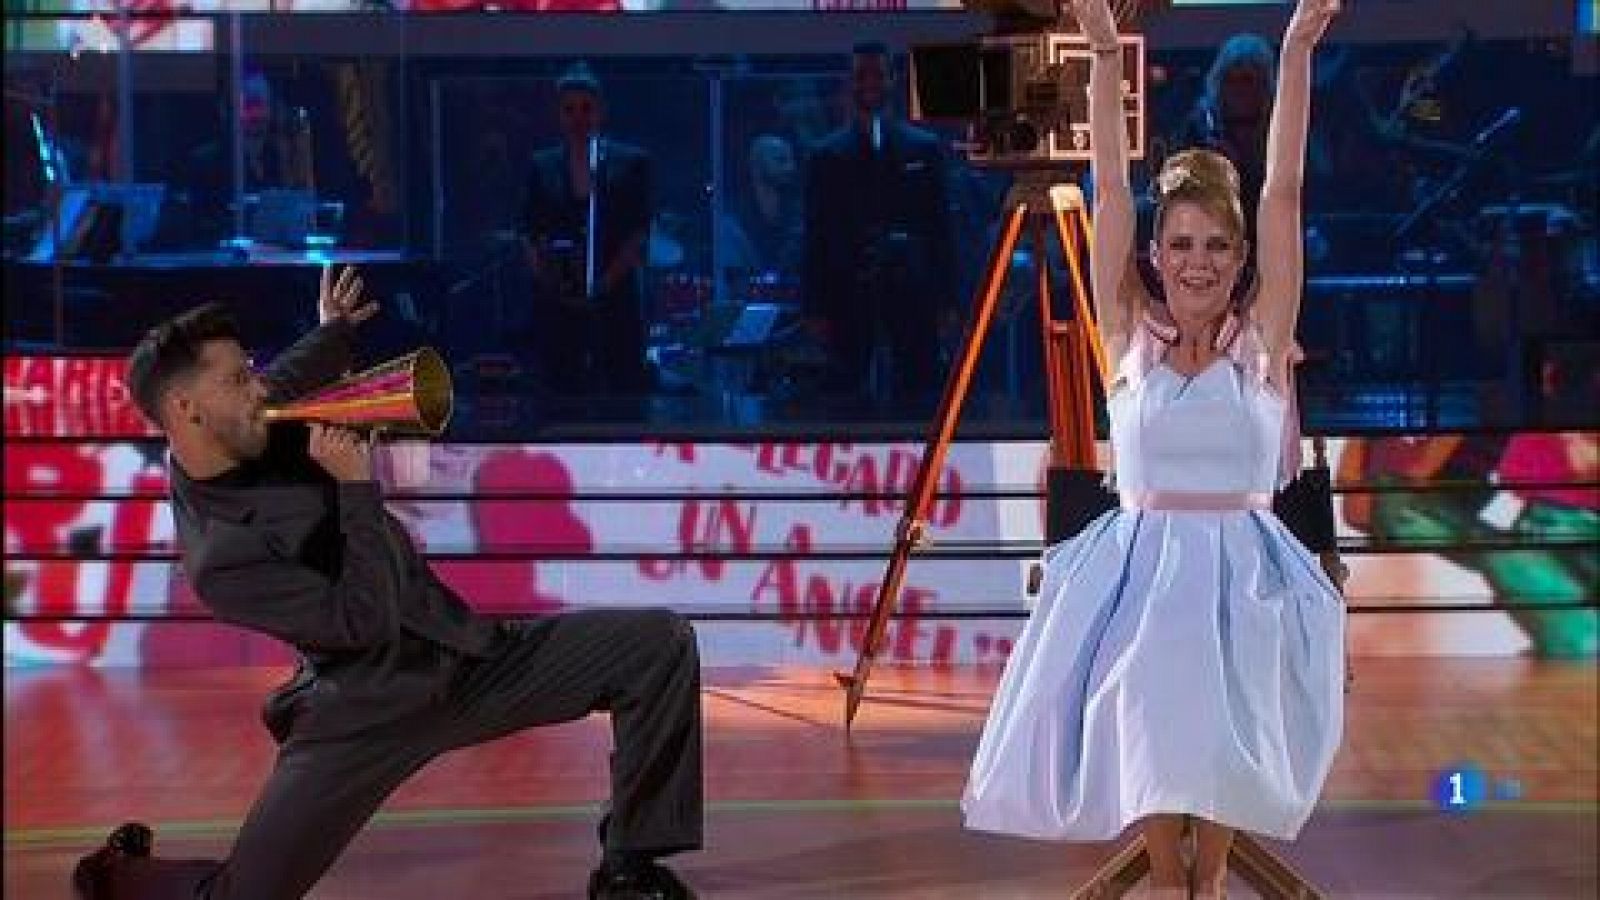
(1073, 356)
(1039, 200)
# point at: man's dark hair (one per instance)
(579, 77)
(171, 350)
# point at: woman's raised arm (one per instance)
(1281, 254)
(1111, 252)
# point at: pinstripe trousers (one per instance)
(641, 666)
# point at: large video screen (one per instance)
(784, 543)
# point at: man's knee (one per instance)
(669, 635)
(672, 629)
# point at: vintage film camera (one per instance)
(1022, 94)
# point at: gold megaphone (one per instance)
(408, 395)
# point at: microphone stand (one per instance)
(591, 256)
(1474, 153)
(592, 225)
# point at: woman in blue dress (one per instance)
(1185, 658)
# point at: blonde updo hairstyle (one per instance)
(1203, 178)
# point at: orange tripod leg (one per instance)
(909, 532)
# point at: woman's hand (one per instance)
(342, 299)
(1310, 20)
(1096, 20)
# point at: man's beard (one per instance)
(247, 441)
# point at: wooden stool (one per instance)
(1260, 868)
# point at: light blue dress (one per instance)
(1177, 661)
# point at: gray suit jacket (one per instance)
(278, 546)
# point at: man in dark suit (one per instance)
(589, 313)
(283, 530)
(878, 240)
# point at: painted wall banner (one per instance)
(545, 530)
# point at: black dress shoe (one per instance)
(649, 882)
(132, 839)
(92, 876)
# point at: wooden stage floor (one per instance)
(795, 808)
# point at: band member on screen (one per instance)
(879, 250)
(586, 221)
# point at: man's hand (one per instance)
(342, 300)
(1310, 20)
(342, 452)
